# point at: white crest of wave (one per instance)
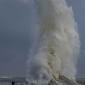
(57, 46)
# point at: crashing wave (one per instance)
(57, 47)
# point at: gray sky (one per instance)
(17, 35)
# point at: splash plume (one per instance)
(57, 46)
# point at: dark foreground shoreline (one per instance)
(22, 81)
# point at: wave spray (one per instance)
(57, 46)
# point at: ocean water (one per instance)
(9, 83)
(5, 83)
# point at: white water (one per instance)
(56, 48)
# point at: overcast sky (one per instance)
(17, 34)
